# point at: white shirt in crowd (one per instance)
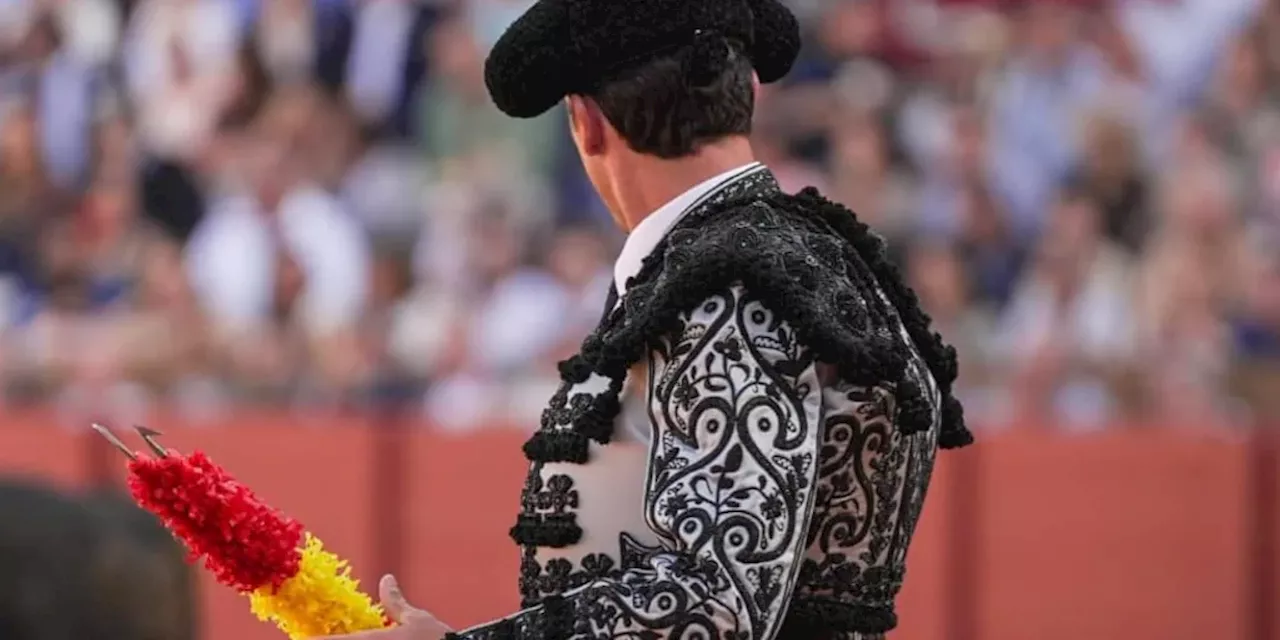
(178, 57)
(378, 52)
(232, 256)
(206, 31)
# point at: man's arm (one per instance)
(735, 404)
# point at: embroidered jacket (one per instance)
(790, 398)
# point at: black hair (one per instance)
(45, 542)
(673, 104)
(140, 585)
(74, 567)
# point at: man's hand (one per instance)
(414, 623)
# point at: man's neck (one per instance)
(648, 182)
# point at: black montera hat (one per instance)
(563, 47)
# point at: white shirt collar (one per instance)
(645, 237)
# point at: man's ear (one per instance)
(588, 125)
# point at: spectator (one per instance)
(284, 39)
(937, 274)
(1065, 336)
(993, 258)
(863, 177)
(386, 61)
(1256, 330)
(462, 130)
(1111, 172)
(180, 57)
(76, 342)
(1053, 76)
(1069, 184)
(64, 88)
(1188, 278)
(282, 254)
(27, 200)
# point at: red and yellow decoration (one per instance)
(290, 578)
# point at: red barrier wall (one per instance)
(1143, 535)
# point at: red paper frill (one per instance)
(244, 543)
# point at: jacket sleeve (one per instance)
(735, 406)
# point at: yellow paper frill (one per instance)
(322, 599)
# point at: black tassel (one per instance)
(915, 415)
(809, 619)
(557, 531)
(954, 433)
(575, 370)
(557, 446)
(597, 422)
(557, 618)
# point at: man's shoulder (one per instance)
(777, 236)
(775, 249)
(784, 253)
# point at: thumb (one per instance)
(397, 608)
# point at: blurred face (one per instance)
(981, 222)
(109, 207)
(1076, 223)
(329, 143)
(1268, 303)
(937, 276)
(1195, 143)
(42, 40)
(850, 28)
(576, 258)
(18, 144)
(455, 54)
(163, 282)
(1110, 149)
(115, 141)
(1050, 29)
(495, 249)
(1197, 202)
(284, 38)
(967, 140)
(1070, 239)
(1262, 285)
(860, 146)
(1241, 73)
(387, 281)
(271, 171)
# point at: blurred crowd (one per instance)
(205, 203)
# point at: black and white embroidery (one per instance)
(808, 289)
(734, 401)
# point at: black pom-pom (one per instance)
(556, 530)
(557, 446)
(954, 432)
(820, 619)
(596, 422)
(776, 42)
(558, 614)
(575, 370)
(915, 415)
(955, 439)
